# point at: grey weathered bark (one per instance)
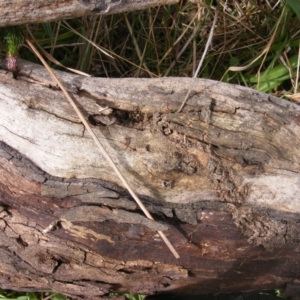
(16, 12)
(221, 178)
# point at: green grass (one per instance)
(14, 295)
(129, 296)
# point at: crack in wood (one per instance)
(100, 214)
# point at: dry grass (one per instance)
(255, 43)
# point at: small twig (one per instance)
(103, 151)
(201, 61)
(297, 73)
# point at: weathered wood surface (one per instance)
(16, 12)
(221, 178)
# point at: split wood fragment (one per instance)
(102, 149)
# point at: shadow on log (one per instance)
(221, 180)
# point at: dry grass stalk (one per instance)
(102, 149)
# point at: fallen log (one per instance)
(221, 179)
(17, 12)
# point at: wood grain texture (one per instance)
(221, 179)
(17, 12)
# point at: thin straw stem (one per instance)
(102, 149)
